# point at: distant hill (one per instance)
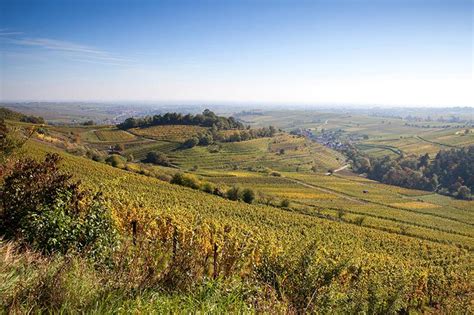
(9, 114)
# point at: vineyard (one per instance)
(113, 135)
(169, 132)
(236, 157)
(412, 266)
(260, 154)
(361, 245)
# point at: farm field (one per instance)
(169, 133)
(383, 207)
(386, 136)
(264, 153)
(402, 233)
(111, 135)
(236, 157)
(293, 229)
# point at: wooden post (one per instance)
(215, 273)
(134, 231)
(175, 242)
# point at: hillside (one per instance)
(398, 259)
(8, 114)
(414, 248)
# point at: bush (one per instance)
(119, 147)
(285, 203)
(359, 220)
(115, 160)
(186, 180)
(164, 177)
(248, 195)
(42, 208)
(157, 158)
(191, 142)
(233, 193)
(208, 188)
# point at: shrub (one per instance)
(218, 191)
(248, 195)
(191, 142)
(341, 213)
(186, 180)
(233, 193)
(44, 209)
(119, 147)
(285, 203)
(115, 160)
(359, 220)
(164, 177)
(157, 158)
(208, 187)
(206, 139)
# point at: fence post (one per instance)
(215, 273)
(175, 242)
(134, 231)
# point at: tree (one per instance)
(248, 195)
(206, 139)
(191, 142)
(424, 160)
(464, 193)
(233, 193)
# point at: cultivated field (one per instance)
(400, 260)
(169, 132)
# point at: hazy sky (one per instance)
(375, 52)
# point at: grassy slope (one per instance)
(291, 229)
(388, 208)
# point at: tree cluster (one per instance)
(157, 158)
(213, 136)
(206, 119)
(451, 172)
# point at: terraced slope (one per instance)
(299, 154)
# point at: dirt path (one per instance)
(337, 170)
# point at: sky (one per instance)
(380, 52)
